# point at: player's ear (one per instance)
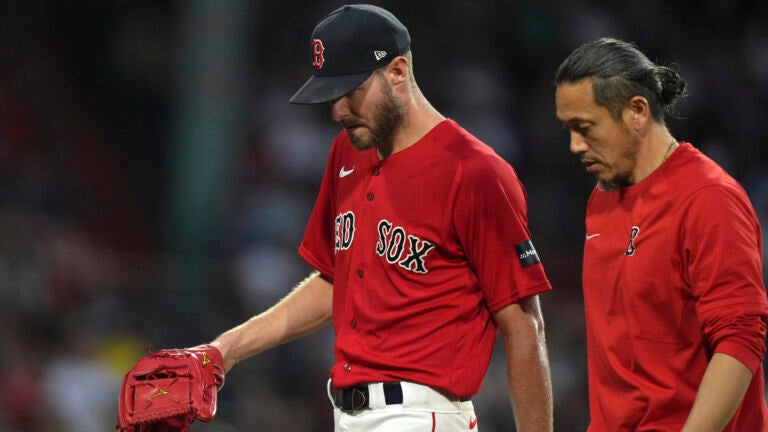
(637, 112)
(397, 71)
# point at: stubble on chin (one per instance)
(358, 142)
(617, 182)
(607, 186)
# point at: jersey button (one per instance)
(375, 171)
(360, 274)
(347, 367)
(369, 196)
(353, 323)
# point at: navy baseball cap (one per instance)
(347, 46)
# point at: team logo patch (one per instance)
(631, 246)
(527, 253)
(317, 53)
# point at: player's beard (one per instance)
(624, 178)
(387, 120)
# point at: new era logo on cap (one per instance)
(347, 46)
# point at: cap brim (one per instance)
(323, 89)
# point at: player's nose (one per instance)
(339, 109)
(578, 143)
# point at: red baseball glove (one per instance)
(168, 389)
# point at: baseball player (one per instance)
(673, 288)
(421, 248)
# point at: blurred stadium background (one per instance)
(156, 182)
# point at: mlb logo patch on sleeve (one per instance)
(527, 253)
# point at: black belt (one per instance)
(357, 397)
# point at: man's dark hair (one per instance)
(621, 71)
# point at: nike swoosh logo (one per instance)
(472, 423)
(343, 173)
(591, 236)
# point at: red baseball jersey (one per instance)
(672, 274)
(422, 247)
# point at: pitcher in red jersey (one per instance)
(673, 283)
(420, 241)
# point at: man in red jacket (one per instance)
(673, 287)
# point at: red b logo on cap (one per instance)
(317, 51)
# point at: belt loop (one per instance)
(376, 398)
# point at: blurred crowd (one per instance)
(100, 102)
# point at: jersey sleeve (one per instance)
(722, 248)
(492, 224)
(317, 245)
